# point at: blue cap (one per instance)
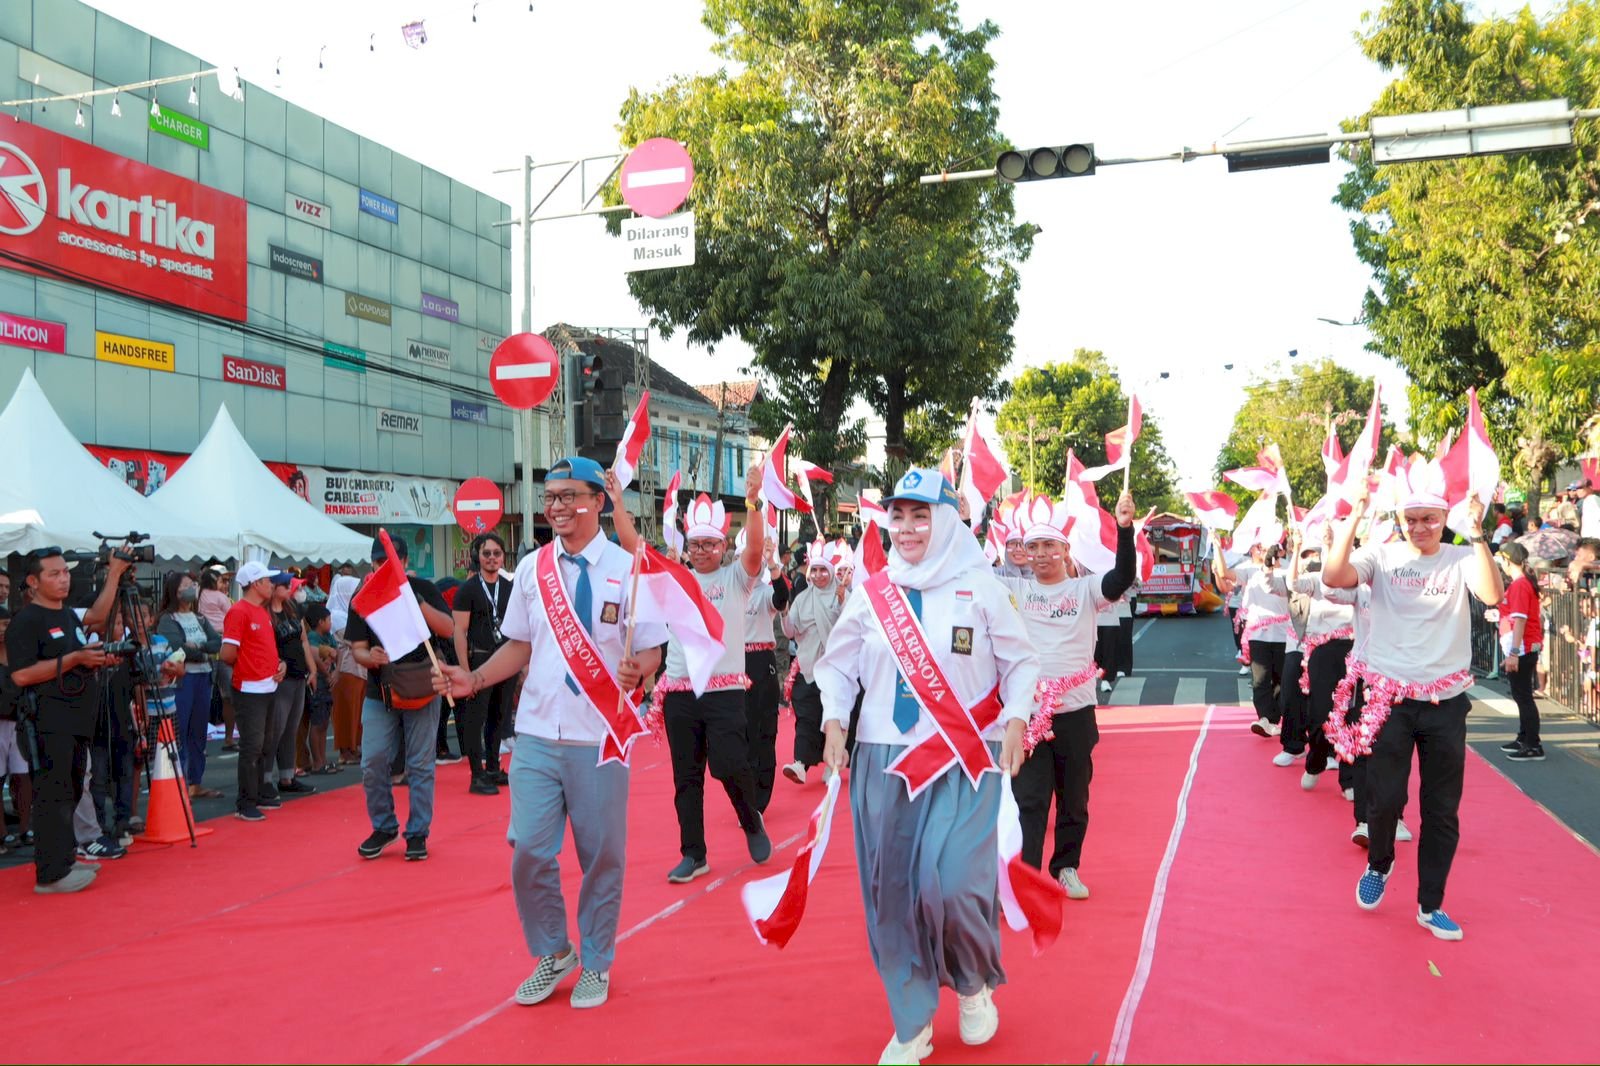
(577, 468)
(925, 485)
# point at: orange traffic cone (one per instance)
(168, 817)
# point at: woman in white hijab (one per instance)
(925, 818)
(350, 680)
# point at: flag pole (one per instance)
(633, 615)
(1127, 468)
(389, 553)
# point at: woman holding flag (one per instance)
(925, 794)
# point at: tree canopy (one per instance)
(1074, 404)
(1487, 268)
(815, 243)
(1293, 413)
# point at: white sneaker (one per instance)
(979, 1018)
(1244, 671)
(1349, 795)
(1286, 758)
(1308, 781)
(1401, 833)
(1261, 727)
(796, 772)
(1075, 887)
(1274, 730)
(1105, 686)
(911, 1054)
(1359, 837)
(1122, 673)
(1333, 763)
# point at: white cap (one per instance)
(252, 572)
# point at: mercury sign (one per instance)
(399, 422)
(428, 354)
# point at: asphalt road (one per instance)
(1190, 660)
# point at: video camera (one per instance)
(133, 548)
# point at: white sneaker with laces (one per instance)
(1349, 795)
(980, 1019)
(1074, 885)
(1359, 837)
(1244, 671)
(1105, 686)
(1401, 833)
(1308, 781)
(909, 1054)
(1286, 758)
(1261, 727)
(796, 772)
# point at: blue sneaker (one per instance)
(1369, 890)
(1439, 924)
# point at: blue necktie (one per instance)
(582, 602)
(906, 708)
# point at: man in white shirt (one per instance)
(709, 730)
(1418, 668)
(1588, 508)
(556, 773)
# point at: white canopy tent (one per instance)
(54, 493)
(231, 497)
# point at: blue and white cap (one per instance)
(925, 485)
(578, 468)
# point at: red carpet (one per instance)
(1262, 955)
(275, 943)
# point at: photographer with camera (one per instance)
(54, 664)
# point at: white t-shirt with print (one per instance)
(1420, 629)
(1061, 620)
(728, 590)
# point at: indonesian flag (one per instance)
(1332, 453)
(631, 446)
(1145, 555)
(776, 904)
(671, 595)
(669, 514)
(1214, 510)
(872, 511)
(1093, 537)
(1590, 468)
(1030, 899)
(390, 607)
(870, 557)
(774, 488)
(1346, 476)
(1259, 525)
(1470, 467)
(947, 465)
(1119, 443)
(982, 472)
(809, 472)
(1266, 476)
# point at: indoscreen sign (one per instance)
(69, 208)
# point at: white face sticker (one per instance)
(581, 510)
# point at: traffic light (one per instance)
(1037, 164)
(589, 367)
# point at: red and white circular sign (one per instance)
(656, 177)
(478, 505)
(523, 369)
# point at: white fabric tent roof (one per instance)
(54, 492)
(233, 497)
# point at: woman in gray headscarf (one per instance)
(925, 836)
(350, 680)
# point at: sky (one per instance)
(1166, 267)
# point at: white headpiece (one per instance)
(1041, 519)
(840, 556)
(705, 519)
(821, 553)
(1424, 486)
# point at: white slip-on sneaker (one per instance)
(1349, 795)
(1401, 833)
(796, 772)
(1308, 781)
(1074, 885)
(592, 989)
(980, 1018)
(1359, 837)
(908, 1054)
(1286, 758)
(1261, 727)
(545, 977)
(1333, 763)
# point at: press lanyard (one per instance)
(493, 594)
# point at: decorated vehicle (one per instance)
(1181, 582)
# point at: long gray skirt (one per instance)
(928, 871)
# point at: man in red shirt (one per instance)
(251, 650)
(1521, 637)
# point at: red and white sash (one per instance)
(960, 729)
(584, 663)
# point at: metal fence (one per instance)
(1572, 637)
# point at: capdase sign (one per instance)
(294, 264)
(368, 308)
(428, 354)
(239, 371)
(134, 351)
(399, 422)
(181, 128)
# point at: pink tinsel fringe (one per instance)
(1253, 628)
(787, 704)
(1047, 694)
(655, 717)
(1311, 644)
(1355, 739)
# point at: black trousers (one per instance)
(1062, 768)
(1293, 704)
(57, 788)
(1125, 645)
(472, 717)
(1232, 614)
(250, 713)
(761, 721)
(1522, 681)
(807, 722)
(1106, 639)
(708, 731)
(1326, 667)
(1266, 678)
(499, 722)
(1438, 732)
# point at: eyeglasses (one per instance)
(566, 499)
(705, 545)
(491, 553)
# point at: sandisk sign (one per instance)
(69, 207)
(249, 372)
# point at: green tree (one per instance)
(1074, 405)
(815, 243)
(1293, 413)
(1487, 269)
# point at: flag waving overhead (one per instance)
(631, 447)
(1332, 453)
(775, 488)
(872, 511)
(1267, 475)
(1591, 472)
(1119, 443)
(671, 595)
(1093, 537)
(1214, 510)
(809, 472)
(670, 533)
(1470, 467)
(386, 601)
(982, 472)
(776, 904)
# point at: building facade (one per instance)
(160, 259)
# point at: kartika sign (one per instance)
(71, 209)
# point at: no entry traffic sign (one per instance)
(478, 505)
(523, 369)
(656, 177)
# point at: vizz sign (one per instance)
(307, 210)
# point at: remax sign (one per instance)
(381, 206)
(238, 371)
(71, 209)
(399, 422)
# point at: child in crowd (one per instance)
(319, 627)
